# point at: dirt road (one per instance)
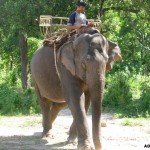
(24, 133)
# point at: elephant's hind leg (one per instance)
(46, 112)
(45, 107)
(50, 111)
(56, 108)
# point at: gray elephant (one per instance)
(77, 78)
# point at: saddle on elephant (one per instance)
(59, 39)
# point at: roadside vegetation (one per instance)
(127, 89)
(132, 122)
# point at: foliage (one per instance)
(121, 98)
(13, 99)
(125, 22)
(128, 94)
(17, 101)
(33, 45)
(132, 122)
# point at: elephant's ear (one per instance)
(66, 56)
(114, 54)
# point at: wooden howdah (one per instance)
(51, 26)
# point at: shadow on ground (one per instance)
(33, 142)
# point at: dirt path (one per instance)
(24, 133)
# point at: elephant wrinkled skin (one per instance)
(81, 67)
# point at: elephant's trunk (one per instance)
(96, 92)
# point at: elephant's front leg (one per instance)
(76, 104)
(73, 131)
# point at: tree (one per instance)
(21, 22)
(125, 21)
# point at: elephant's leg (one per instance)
(73, 131)
(56, 108)
(87, 101)
(74, 96)
(46, 114)
(45, 107)
(50, 111)
(79, 114)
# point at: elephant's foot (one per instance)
(47, 134)
(87, 147)
(71, 138)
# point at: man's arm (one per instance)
(72, 27)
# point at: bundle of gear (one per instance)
(58, 41)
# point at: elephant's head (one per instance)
(79, 56)
(87, 29)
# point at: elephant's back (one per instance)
(44, 74)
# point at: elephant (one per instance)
(75, 77)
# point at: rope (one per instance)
(55, 60)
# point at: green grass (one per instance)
(135, 122)
(20, 121)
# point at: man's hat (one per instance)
(81, 3)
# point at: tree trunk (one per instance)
(24, 59)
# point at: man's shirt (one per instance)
(77, 19)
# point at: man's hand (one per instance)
(82, 25)
(90, 24)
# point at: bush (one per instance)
(33, 45)
(143, 104)
(17, 101)
(118, 94)
(127, 94)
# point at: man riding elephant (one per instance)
(78, 19)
